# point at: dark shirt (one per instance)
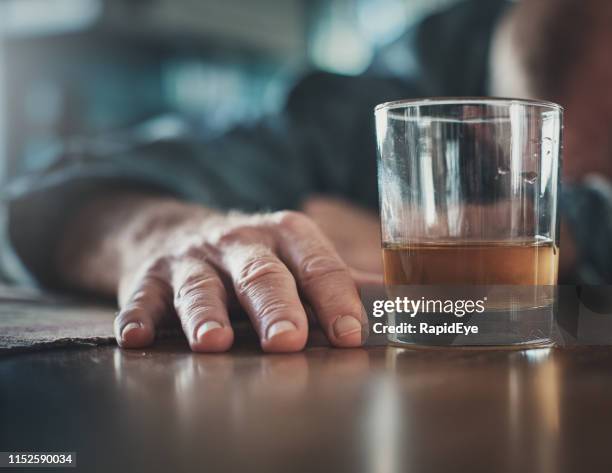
(322, 142)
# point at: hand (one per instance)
(178, 260)
(354, 231)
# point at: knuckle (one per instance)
(139, 299)
(319, 266)
(156, 268)
(256, 271)
(130, 313)
(270, 307)
(192, 316)
(142, 306)
(197, 287)
(193, 252)
(152, 294)
(236, 234)
(290, 219)
(152, 283)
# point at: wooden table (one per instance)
(372, 410)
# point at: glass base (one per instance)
(531, 345)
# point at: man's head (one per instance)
(561, 50)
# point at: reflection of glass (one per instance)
(474, 411)
(468, 193)
(534, 398)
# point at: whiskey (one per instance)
(525, 263)
(514, 280)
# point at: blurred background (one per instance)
(71, 68)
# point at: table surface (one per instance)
(376, 409)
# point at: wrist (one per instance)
(111, 235)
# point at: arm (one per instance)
(323, 142)
(121, 224)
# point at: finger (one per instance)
(200, 301)
(142, 310)
(266, 290)
(324, 279)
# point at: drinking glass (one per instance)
(468, 198)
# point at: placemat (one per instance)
(30, 320)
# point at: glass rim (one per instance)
(418, 102)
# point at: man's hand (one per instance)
(165, 259)
(354, 231)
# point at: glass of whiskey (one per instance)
(468, 198)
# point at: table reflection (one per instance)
(374, 410)
(488, 410)
(268, 408)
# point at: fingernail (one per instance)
(346, 325)
(207, 327)
(128, 328)
(280, 327)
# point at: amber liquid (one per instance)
(515, 280)
(523, 263)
